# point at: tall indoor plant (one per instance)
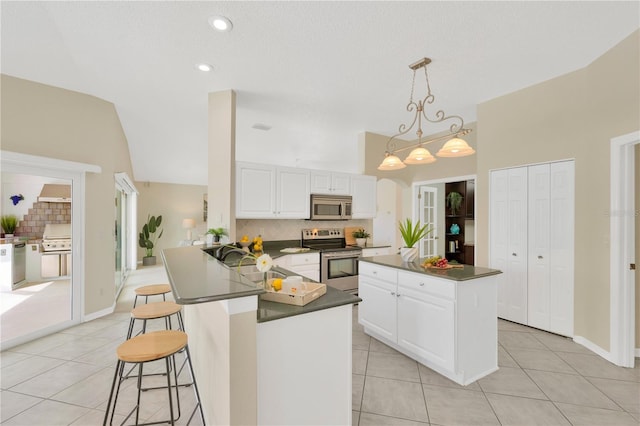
(411, 235)
(147, 239)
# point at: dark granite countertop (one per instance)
(197, 277)
(456, 274)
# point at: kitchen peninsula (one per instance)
(260, 362)
(445, 319)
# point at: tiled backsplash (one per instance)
(42, 213)
(279, 229)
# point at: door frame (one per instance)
(622, 252)
(14, 162)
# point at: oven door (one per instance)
(340, 270)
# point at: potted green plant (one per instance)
(9, 224)
(217, 233)
(411, 235)
(454, 201)
(147, 238)
(361, 237)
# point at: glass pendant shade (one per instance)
(455, 147)
(419, 155)
(391, 162)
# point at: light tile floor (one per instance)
(544, 379)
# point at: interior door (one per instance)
(499, 235)
(517, 245)
(428, 210)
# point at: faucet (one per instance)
(224, 255)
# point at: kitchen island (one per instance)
(445, 319)
(260, 362)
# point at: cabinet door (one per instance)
(426, 327)
(255, 191)
(364, 192)
(320, 182)
(561, 247)
(377, 311)
(292, 193)
(499, 235)
(340, 184)
(538, 250)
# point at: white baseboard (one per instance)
(593, 347)
(99, 314)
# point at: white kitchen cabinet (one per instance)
(305, 264)
(264, 192)
(450, 326)
(330, 183)
(531, 241)
(364, 193)
(377, 287)
(376, 251)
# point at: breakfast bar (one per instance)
(262, 362)
(445, 319)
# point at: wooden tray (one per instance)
(314, 291)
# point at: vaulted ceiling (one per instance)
(317, 73)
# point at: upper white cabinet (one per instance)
(364, 193)
(532, 233)
(264, 191)
(330, 183)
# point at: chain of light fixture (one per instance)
(455, 147)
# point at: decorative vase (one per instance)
(361, 242)
(455, 229)
(148, 260)
(409, 254)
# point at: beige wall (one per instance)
(572, 116)
(42, 120)
(175, 203)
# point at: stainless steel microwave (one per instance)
(330, 207)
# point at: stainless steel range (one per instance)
(338, 262)
(56, 247)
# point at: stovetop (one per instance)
(326, 239)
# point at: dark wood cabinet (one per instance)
(455, 249)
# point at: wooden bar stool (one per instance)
(155, 310)
(151, 347)
(152, 290)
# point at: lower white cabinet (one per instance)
(306, 264)
(449, 326)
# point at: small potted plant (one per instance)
(9, 224)
(147, 239)
(217, 233)
(361, 237)
(411, 235)
(454, 201)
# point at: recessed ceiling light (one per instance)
(220, 23)
(204, 67)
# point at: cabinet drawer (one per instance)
(426, 284)
(304, 259)
(379, 272)
(369, 252)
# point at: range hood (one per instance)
(55, 193)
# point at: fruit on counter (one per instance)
(431, 260)
(277, 284)
(257, 243)
(244, 239)
(442, 263)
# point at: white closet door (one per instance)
(561, 261)
(517, 246)
(538, 250)
(499, 236)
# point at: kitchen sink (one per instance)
(257, 276)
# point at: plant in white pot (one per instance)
(361, 237)
(147, 239)
(411, 235)
(9, 224)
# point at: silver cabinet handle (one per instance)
(421, 284)
(513, 254)
(398, 295)
(393, 293)
(539, 257)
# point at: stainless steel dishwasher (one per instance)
(19, 264)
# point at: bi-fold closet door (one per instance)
(532, 233)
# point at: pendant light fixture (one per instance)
(455, 147)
